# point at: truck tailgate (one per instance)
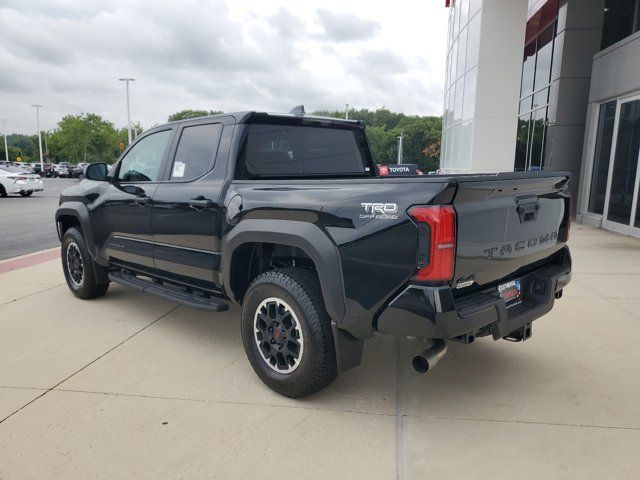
(506, 222)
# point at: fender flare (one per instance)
(79, 211)
(304, 235)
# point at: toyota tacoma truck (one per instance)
(286, 217)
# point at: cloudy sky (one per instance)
(217, 54)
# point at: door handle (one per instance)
(528, 211)
(142, 201)
(200, 203)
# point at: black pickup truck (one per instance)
(286, 216)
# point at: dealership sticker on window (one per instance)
(178, 169)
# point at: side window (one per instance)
(196, 152)
(142, 163)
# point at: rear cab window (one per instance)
(295, 150)
(196, 152)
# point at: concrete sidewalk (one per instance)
(132, 386)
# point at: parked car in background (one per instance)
(17, 180)
(59, 170)
(78, 170)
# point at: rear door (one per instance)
(507, 223)
(187, 216)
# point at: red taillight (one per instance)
(439, 243)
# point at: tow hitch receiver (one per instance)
(520, 335)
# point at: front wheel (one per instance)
(79, 268)
(286, 332)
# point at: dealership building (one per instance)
(553, 85)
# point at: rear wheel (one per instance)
(3, 192)
(79, 268)
(26, 194)
(286, 332)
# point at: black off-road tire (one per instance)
(79, 268)
(316, 365)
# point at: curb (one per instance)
(29, 260)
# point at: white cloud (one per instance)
(215, 54)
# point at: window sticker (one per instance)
(178, 169)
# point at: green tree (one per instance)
(421, 135)
(83, 138)
(188, 113)
(24, 146)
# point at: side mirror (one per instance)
(96, 171)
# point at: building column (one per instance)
(578, 38)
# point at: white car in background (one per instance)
(16, 180)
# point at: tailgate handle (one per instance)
(528, 210)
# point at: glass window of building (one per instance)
(462, 51)
(457, 110)
(469, 101)
(454, 61)
(522, 142)
(625, 164)
(474, 6)
(544, 49)
(525, 104)
(600, 172)
(537, 133)
(464, 12)
(541, 98)
(528, 69)
(534, 92)
(620, 21)
(473, 41)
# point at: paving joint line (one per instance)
(9, 387)
(31, 294)
(222, 402)
(399, 414)
(88, 364)
(524, 422)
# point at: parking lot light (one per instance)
(38, 107)
(127, 80)
(4, 132)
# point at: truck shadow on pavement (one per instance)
(199, 355)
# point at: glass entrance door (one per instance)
(621, 208)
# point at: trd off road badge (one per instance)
(379, 210)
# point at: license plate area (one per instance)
(511, 292)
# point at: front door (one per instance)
(122, 223)
(621, 213)
(187, 218)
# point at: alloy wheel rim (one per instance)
(278, 335)
(75, 265)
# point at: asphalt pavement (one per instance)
(27, 223)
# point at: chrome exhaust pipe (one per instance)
(429, 358)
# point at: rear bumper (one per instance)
(433, 312)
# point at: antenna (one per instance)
(298, 110)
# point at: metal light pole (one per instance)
(38, 107)
(346, 111)
(4, 132)
(400, 145)
(127, 80)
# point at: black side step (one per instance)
(181, 297)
